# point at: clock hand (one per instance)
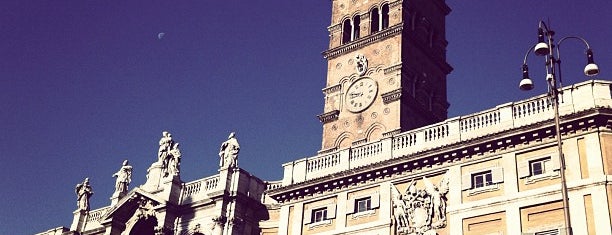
(354, 94)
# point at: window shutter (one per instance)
(307, 216)
(497, 175)
(331, 211)
(375, 200)
(554, 162)
(350, 206)
(466, 181)
(523, 169)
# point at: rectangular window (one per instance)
(482, 179)
(319, 215)
(536, 167)
(363, 204)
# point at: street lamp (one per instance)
(546, 47)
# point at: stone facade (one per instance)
(501, 164)
(391, 162)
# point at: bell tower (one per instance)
(386, 69)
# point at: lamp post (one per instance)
(547, 47)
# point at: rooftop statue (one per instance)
(174, 162)
(168, 155)
(228, 153)
(124, 177)
(83, 192)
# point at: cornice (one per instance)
(391, 96)
(331, 89)
(329, 116)
(448, 155)
(393, 68)
(362, 42)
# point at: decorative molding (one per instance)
(392, 133)
(395, 4)
(392, 95)
(393, 68)
(358, 142)
(334, 28)
(362, 42)
(329, 116)
(326, 151)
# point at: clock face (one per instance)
(361, 94)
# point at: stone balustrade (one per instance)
(575, 98)
(273, 184)
(96, 215)
(195, 190)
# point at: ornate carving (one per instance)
(392, 95)
(361, 64)
(329, 116)
(83, 192)
(420, 211)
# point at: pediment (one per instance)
(128, 205)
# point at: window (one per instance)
(363, 204)
(379, 20)
(482, 179)
(385, 16)
(356, 27)
(374, 24)
(319, 215)
(538, 168)
(346, 31)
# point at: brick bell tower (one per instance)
(386, 69)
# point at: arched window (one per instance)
(374, 18)
(385, 16)
(346, 31)
(356, 27)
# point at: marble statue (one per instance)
(169, 155)
(228, 153)
(124, 177)
(425, 209)
(164, 146)
(83, 192)
(174, 162)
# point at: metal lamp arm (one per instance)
(558, 47)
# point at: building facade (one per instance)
(391, 162)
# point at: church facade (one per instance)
(391, 161)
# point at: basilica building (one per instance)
(391, 161)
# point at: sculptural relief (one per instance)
(83, 192)
(420, 211)
(361, 64)
(228, 153)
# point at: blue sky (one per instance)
(87, 84)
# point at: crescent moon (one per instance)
(160, 35)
